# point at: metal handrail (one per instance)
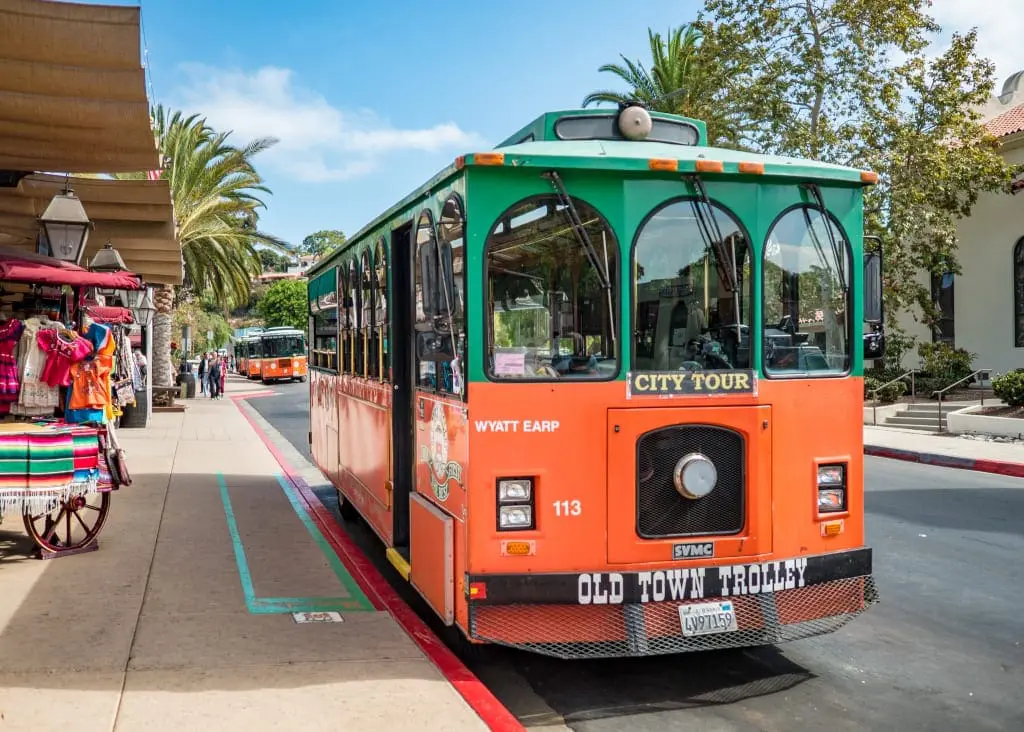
(942, 391)
(874, 392)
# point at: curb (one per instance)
(998, 467)
(383, 596)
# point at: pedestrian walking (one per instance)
(215, 380)
(203, 366)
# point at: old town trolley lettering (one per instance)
(613, 588)
(673, 383)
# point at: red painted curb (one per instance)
(998, 467)
(383, 596)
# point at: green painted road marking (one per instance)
(356, 602)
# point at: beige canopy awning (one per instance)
(72, 89)
(135, 216)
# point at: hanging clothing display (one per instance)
(62, 350)
(10, 334)
(89, 398)
(36, 398)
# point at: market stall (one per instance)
(66, 370)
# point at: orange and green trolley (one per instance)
(599, 390)
(282, 355)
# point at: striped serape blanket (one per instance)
(44, 466)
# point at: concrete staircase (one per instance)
(924, 415)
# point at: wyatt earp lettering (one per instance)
(612, 588)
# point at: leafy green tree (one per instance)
(285, 303)
(201, 322)
(272, 261)
(322, 242)
(215, 190)
(821, 80)
(686, 77)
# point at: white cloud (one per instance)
(999, 23)
(318, 141)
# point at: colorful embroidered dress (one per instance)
(10, 334)
(61, 352)
(89, 397)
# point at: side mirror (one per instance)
(874, 335)
(433, 346)
(873, 287)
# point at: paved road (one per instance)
(943, 651)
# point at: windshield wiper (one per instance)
(711, 233)
(583, 238)
(819, 202)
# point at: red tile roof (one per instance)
(1009, 122)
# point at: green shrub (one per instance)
(1010, 388)
(942, 361)
(888, 394)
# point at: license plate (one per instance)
(707, 618)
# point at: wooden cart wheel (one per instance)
(73, 525)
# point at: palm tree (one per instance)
(685, 78)
(215, 190)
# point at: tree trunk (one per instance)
(163, 299)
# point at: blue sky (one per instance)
(370, 99)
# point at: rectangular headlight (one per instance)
(831, 500)
(515, 518)
(515, 490)
(831, 475)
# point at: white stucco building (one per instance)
(984, 306)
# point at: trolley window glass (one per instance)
(550, 315)
(691, 300)
(806, 295)
(283, 346)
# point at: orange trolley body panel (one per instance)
(254, 368)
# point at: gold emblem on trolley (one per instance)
(690, 383)
(442, 470)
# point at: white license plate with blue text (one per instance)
(708, 617)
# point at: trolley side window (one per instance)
(349, 316)
(428, 322)
(807, 306)
(323, 325)
(380, 305)
(366, 279)
(550, 312)
(691, 300)
(451, 283)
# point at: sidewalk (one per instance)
(183, 618)
(949, 451)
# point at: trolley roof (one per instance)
(636, 156)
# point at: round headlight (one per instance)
(695, 476)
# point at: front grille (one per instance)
(615, 631)
(661, 510)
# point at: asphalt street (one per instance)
(944, 650)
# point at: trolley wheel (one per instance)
(74, 525)
(346, 509)
(302, 379)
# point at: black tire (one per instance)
(346, 509)
(302, 379)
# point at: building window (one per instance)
(942, 299)
(1018, 294)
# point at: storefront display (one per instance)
(66, 371)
